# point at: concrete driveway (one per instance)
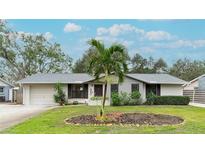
(11, 114)
(197, 104)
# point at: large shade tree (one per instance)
(140, 64)
(187, 69)
(160, 66)
(82, 64)
(24, 54)
(109, 61)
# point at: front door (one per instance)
(98, 90)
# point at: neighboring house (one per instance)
(197, 83)
(195, 89)
(5, 91)
(81, 87)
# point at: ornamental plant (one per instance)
(59, 96)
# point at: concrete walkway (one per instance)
(197, 104)
(11, 114)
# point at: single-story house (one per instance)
(82, 87)
(5, 91)
(197, 83)
(195, 89)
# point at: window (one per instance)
(114, 88)
(154, 88)
(1, 89)
(98, 90)
(77, 91)
(135, 87)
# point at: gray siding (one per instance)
(126, 86)
(6, 92)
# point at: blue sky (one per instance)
(169, 39)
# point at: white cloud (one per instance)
(147, 49)
(198, 43)
(48, 35)
(145, 41)
(181, 44)
(127, 43)
(118, 29)
(108, 40)
(158, 35)
(72, 27)
(102, 30)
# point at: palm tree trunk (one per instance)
(104, 96)
(104, 99)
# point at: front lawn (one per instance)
(52, 121)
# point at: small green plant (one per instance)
(150, 98)
(124, 98)
(75, 102)
(59, 96)
(116, 101)
(96, 98)
(135, 95)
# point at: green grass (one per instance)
(52, 121)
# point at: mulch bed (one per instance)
(127, 119)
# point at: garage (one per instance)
(42, 94)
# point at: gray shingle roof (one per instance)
(57, 77)
(157, 78)
(83, 77)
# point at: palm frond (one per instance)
(97, 45)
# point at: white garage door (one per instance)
(41, 94)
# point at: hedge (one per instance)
(171, 100)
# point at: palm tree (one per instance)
(107, 62)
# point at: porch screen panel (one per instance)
(69, 91)
(78, 91)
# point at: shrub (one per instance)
(96, 98)
(59, 96)
(115, 99)
(135, 95)
(171, 100)
(150, 98)
(135, 102)
(125, 98)
(75, 102)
